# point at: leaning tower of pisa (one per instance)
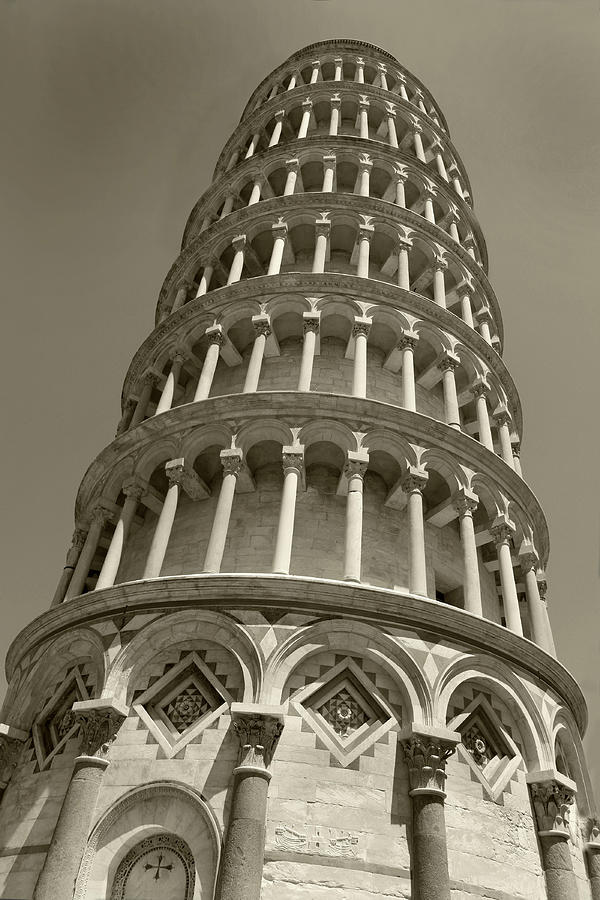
(300, 647)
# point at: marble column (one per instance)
(426, 751)
(502, 531)
(216, 339)
(207, 274)
(174, 471)
(448, 364)
(552, 797)
(360, 334)
(365, 236)
(279, 230)
(306, 114)
(542, 589)
(311, 323)
(237, 266)
(439, 282)
(359, 72)
(227, 206)
(232, 462)
(484, 319)
(253, 145)
(339, 69)
(168, 392)
(181, 296)
(293, 472)
(407, 345)
(149, 381)
(382, 72)
(516, 452)
(256, 190)
(400, 178)
(466, 305)
(322, 231)
(453, 221)
(133, 491)
(402, 86)
(529, 565)
(592, 853)
(390, 112)
(465, 503)
(334, 121)
(258, 729)
(99, 722)
(329, 162)
(364, 173)
(293, 81)
(439, 160)
(316, 68)
(502, 420)
(354, 471)
(100, 516)
(418, 142)
(292, 167)
(413, 485)
(429, 211)
(125, 420)
(262, 329)
(276, 135)
(363, 118)
(403, 264)
(480, 390)
(73, 553)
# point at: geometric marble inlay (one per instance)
(345, 709)
(181, 704)
(56, 722)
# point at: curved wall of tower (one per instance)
(300, 647)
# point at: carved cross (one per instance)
(158, 866)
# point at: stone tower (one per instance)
(300, 648)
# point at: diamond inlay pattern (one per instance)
(187, 707)
(343, 713)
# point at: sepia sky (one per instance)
(114, 113)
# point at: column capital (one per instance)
(185, 284)
(552, 795)
(440, 263)
(149, 378)
(338, 60)
(364, 162)
(366, 232)
(528, 558)
(262, 324)
(307, 104)
(178, 355)
(239, 242)
(133, 487)
(323, 225)
(416, 125)
(316, 63)
(502, 416)
(516, 448)
(542, 584)
(414, 480)
(101, 515)
(400, 173)
(336, 100)
(214, 335)
(390, 109)
(99, 722)
(364, 101)
(592, 844)
(502, 529)
(479, 388)
(465, 502)
(448, 362)
(426, 750)
(292, 165)
(408, 341)
(258, 728)
(356, 465)
(330, 159)
(232, 461)
(382, 68)
(292, 457)
(361, 326)
(311, 321)
(279, 228)
(279, 116)
(189, 480)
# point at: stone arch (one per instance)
(159, 452)
(184, 626)
(565, 732)
(328, 430)
(448, 467)
(390, 442)
(263, 430)
(201, 438)
(496, 677)
(158, 807)
(348, 637)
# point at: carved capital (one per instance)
(365, 163)
(542, 585)
(238, 242)
(408, 341)
(355, 466)
(365, 233)
(502, 416)
(232, 461)
(280, 115)
(330, 160)
(262, 325)
(529, 561)
(361, 327)
(214, 335)
(307, 104)
(98, 727)
(133, 488)
(440, 264)
(101, 515)
(364, 102)
(502, 530)
(400, 173)
(311, 323)
(448, 362)
(551, 802)
(465, 502)
(188, 479)
(293, 458)
(480, 389)
(258, 734)
(425, 757)
(150, 378)
(279, 229)
(322, 226)
(390, 110)
(336, 101)
(292, 165)
(414, 480)
(516, 449)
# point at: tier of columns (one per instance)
(425, 750)
(464, 503)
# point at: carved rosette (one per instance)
(426, 761)
(551, 802)
(98, 729)
(258, 736)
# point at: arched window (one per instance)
(160, 867)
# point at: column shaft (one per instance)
(220, 526)
(451, 410)
(483, 421)
(209, 367)
(142, 404)
(240, 875)
(359, 379)
(509, 588)
(431, 880)
(561, 883)
(403, 269)
(409, 395)
(166, 398)
(255, 364)
(110, 567)
(466, 308)
(308, 355)
(285, 527)
(439, 286)
(205, 281)
(354, 526)
(162, 533)
(471, 585)
(86, 556)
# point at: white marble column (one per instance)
(365, 236)
(206, 277)
(227, 206)
(484, 319)
(181, 295)
(503, 530)
(360, 334)
(407, 345)
(253, 145)
(413, 485)
(354, 470)
(429, 211)
(359, 71)
(322, 230)
(133, 491)
(311, 323)
(276, 135)
(293, 471)
(100, 516)
(233, 160)
(293, 81)
(448, 364)
(439, 281)
(502, 419)
(516, 452)
(402, 86)
(237, 266)
(403, 264)
(306, 114)
(216, 339)
(453, 221)
(329, 162)
(466, 304)
(363, 118)
(543, 588)
(279, 230)
(292, 167)
(149, 381)
(339, 69)
(232, 462)
(439, 159)
(174, 471)
(469, 245)
(400, 179)
(168, 392)
(418, 142)
(465, 503)
(529, 565)
(390, 112)
(256, 189)
(316, 68)
(456, 180)
(365, 165)
(382, 71)
(73, 553)
(334, 121)
(480, 390)
(262, 329)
